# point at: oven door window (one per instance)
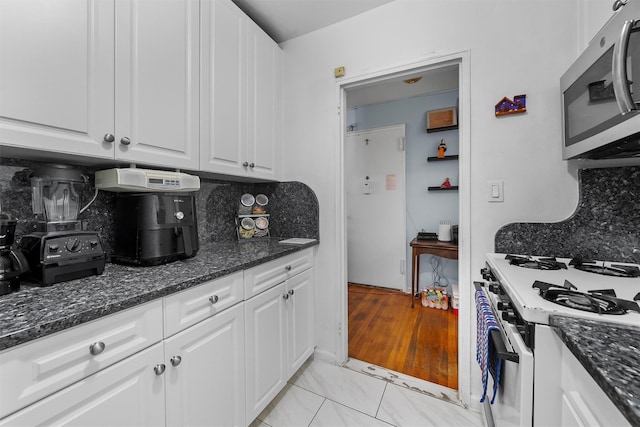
(513, 405)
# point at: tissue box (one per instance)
(435, 297)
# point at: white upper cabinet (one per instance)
(57, 75)
(98, 78)
(157, 82)
(240, 108)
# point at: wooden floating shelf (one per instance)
(453, 187)
(439, 159)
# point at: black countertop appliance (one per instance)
(155, 228)
(12, 262)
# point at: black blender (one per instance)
(12, 262)
(60, 249)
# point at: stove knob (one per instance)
(503, 305)
(496, 288)
(93, 244)
(53, 248)
(74, 245)
(485, 273)
(509, 316)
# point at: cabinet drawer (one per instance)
(42, 367)
(267, 275)
(190, 306)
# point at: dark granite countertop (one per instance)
(34, 312)
(611, 354)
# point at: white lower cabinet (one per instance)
(198, 357)
(205, 384)
(279, 338)
(126, 394)
(583, 401)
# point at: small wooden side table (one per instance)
(432, 247)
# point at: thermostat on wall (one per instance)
(134, 179)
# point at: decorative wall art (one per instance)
(442, 119)
(507, 106)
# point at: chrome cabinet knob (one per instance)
(252, 165)
(285, 296)
(213, 299)
(175, 360)
(179, 215)
(109, 137)
(288, 268)
(96, 348)
(291, 291)
(245, 164)
(125, 141)
(159, 369)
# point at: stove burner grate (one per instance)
(615, 270)
(537, 264)
(601, 302)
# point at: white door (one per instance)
(375, 183)
(300, 342)
(205, 372)
(157, 82)
(128, 393)
(265, 341)
(56, 75)
(223, 106)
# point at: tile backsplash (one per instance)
(293, 206)
(605, 225)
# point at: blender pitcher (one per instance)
(56, 192)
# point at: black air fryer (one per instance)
(155, 228)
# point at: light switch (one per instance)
(496, 191)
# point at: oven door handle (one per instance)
(501, 349)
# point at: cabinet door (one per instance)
(299, 307)
(205, 372)
(56, 69)
(265, 104)
(157, 82)
(265, 348)
(223, 146)
(128, 393)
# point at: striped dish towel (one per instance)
(485, 352)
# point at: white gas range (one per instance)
(522, 291)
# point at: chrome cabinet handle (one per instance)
(109, 137)
(245, 164)
(252, 165)
(175, 360)
(288, 268)
(159, 369)
(285, 296)
(96, 348)
(125, 141)
(213, 299)
(291, 291)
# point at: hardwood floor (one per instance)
(385, 331)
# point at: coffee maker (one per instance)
(13, 264)
(60, 249)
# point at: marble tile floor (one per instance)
(358, 394)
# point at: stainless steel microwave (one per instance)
(601, 92)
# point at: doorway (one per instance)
(379, 78)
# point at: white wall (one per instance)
(516, 47)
